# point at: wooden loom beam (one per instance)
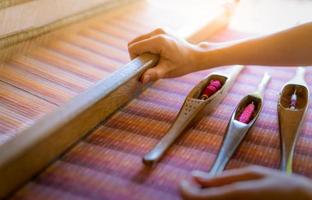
(36, 147)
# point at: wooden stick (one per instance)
(41, 143)
(34, 148)
(191, 109)
(291, 119)
(236, 130)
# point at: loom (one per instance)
(76, 122)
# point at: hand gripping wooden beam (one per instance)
(37, 146)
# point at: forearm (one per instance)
(287, 48)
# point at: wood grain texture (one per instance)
(291, 120)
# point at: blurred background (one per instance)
(253, 16)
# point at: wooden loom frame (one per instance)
(37, 146)
(10, 44)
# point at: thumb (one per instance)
(227, 177)
(155, 73)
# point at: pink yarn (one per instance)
(212, 88)
(246, 115)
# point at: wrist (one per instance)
(208, 55)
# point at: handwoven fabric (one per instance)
(108, 163)
(60, 65)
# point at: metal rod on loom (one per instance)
(35, 147)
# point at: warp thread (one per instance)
(212, 88)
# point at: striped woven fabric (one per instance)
(66, 62)
(108, 163)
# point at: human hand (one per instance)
(247, 183)
(177, 56)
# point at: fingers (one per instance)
(153, 45)
(148, 35)
(190, 191)
(155, 73)
(243, 190)
(229, 177)
(152, 42)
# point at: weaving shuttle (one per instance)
(291, 117)
(192, 108)
(236, 129)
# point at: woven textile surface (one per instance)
(108, 163)
(65, 63)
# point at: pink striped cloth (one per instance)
(108, 163)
